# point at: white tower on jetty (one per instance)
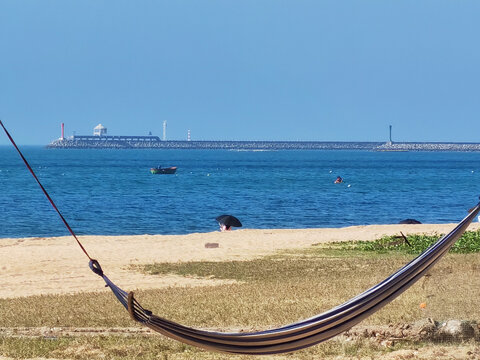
(164, 130)
(99, 130)
(188, 135)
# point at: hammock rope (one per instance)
(45, 191)
(291, 337)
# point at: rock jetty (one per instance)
(257, 145)
(428, 146)
(227, 145)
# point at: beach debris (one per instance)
(455, 330)
(211, 245)
(423, 329)
(423, 305)
(402, 238)
(405, 239)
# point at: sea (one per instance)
(112, 192)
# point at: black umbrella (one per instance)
(409, 221)
(228, 221)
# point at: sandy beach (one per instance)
(35, 266)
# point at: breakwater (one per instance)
(214, 145)
(428, 146)
(133, 143)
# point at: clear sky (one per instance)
(242, 70)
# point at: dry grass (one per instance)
(117, 347)
(271, 291)
(300, 284)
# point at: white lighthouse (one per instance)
(164, 130)
(99, 130)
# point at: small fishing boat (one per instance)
(167, 170)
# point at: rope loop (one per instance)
(96, 268)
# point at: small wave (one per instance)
(252, 150)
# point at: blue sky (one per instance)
(241, 70)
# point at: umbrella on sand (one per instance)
(228, 221)
(409, 221)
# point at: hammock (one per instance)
(307, 332)
(291, 337)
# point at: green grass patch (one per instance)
(415, 244)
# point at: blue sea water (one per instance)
(112, 192)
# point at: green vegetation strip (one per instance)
(415, 244)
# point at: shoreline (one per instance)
(57, 265)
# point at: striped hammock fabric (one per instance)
(307, 332)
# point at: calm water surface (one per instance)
(112, 191)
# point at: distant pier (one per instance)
(100, 140)
(153, 142)
(125, 142)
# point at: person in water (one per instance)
(338, 180)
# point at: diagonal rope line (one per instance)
(45, 191)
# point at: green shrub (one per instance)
(415, 244)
